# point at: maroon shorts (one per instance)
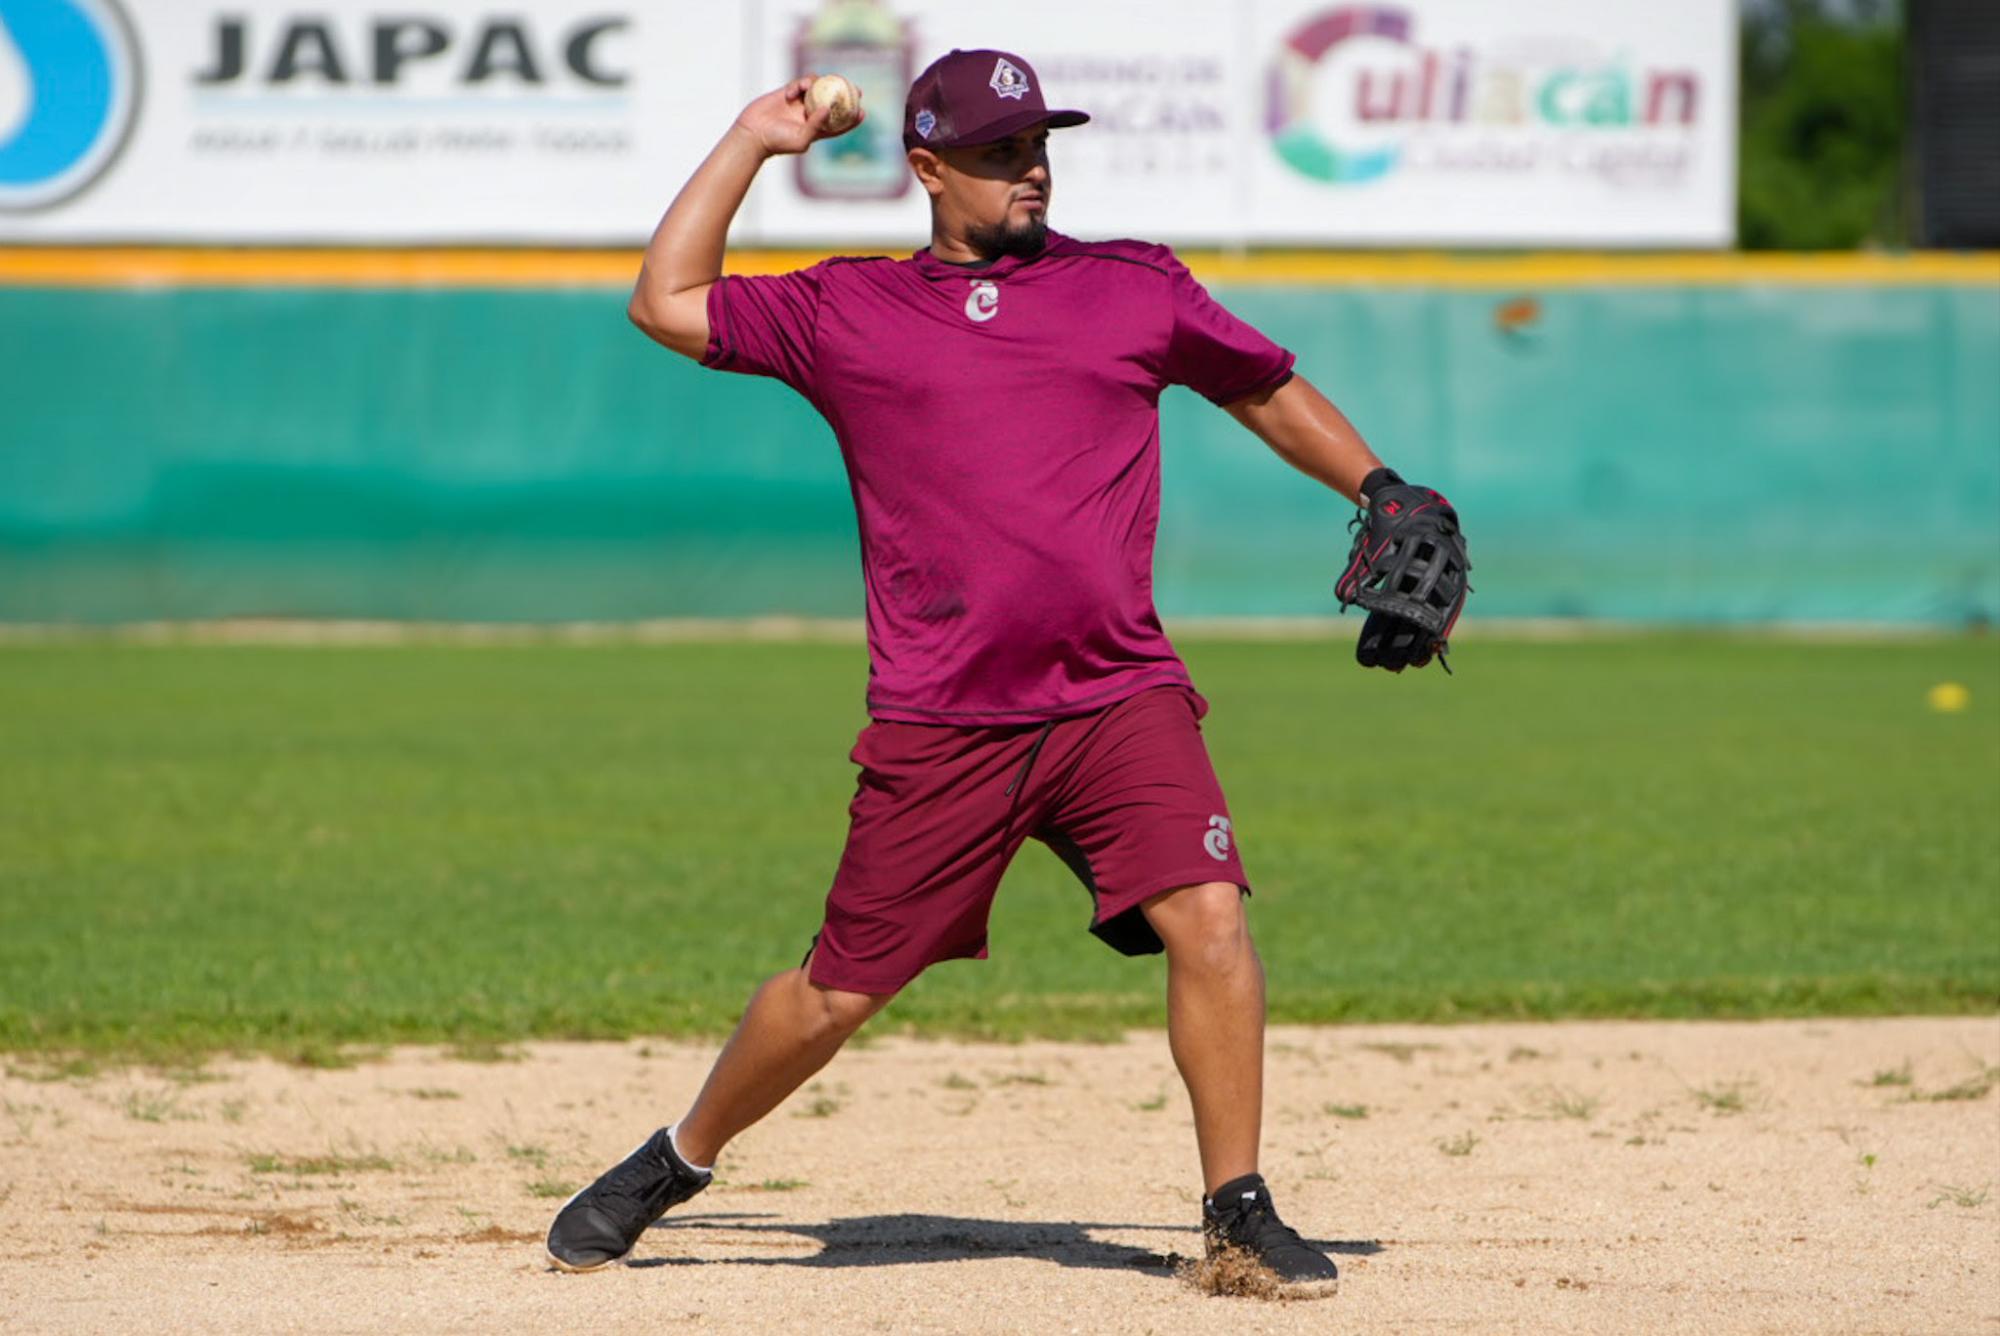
(1125, 796)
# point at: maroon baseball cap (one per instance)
(976, 97)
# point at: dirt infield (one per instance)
(1782, 1176)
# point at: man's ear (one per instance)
(929, 168)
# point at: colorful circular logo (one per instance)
(1288, 107)
(69, 91)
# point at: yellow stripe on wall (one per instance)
(95, 267)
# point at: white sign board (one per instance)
(573, 122)
(1163, 86)
(252, 121)
(1564, 122)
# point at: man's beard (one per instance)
(997, 239)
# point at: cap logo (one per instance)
(983, 302)
(926, 122)
(1007, 80)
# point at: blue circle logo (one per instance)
(69, 90)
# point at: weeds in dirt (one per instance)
(1725, 1097)
(361, 1215)
(1403, 1053)
(535, 1155)
(495, 1234)
(1522, 1053)
(957, 1082)
(1005, 1187)
(825, 1102)
(1563, 1102)
(484, 1050)
(1968, 1198)
(232, 1110)
(323, 1057)
(1890, 1076)
(154, 1106)
(1345, 1110)
(551, 1187)
(188, 1073)
(1021, 1078)
(1152, 1105)
(1975, 1086)
(1321, 1171)
(432, 1155)
(54, 1067)
(777, 1185)
(1461, 1144)
(302, 1165)
(23, 1116)
(433, 1092)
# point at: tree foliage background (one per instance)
(1823, 129)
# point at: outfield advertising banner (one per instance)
(1435, 122)
(572, 122)
(1163, 84)
(461, 120)
(1566, 122)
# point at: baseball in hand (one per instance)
(831, 90)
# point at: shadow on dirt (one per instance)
(892, 1240)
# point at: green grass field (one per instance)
(295, 849)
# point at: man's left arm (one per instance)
(1408, 564)
(1308, 433)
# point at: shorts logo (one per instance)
(1008, 81)
(983, 302)
(1217, 839)
(926, 122)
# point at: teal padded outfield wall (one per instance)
(1685, 453)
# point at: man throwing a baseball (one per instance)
(995, 397)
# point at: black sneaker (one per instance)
(1240, 1217)
(600, 1224)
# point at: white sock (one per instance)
(673, 1135)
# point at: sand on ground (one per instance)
(1835, 1176)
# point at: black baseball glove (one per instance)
(1408, 568)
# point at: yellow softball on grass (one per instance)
(1948, 697)
(831, 90)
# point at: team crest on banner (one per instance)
(1007, 80)
(870, 46)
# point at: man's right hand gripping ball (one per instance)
(1407, 568)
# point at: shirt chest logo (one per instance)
(983, 302)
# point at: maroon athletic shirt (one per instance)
(1001, 430)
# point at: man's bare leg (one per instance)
(1215, 1021)
(790, 1030)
